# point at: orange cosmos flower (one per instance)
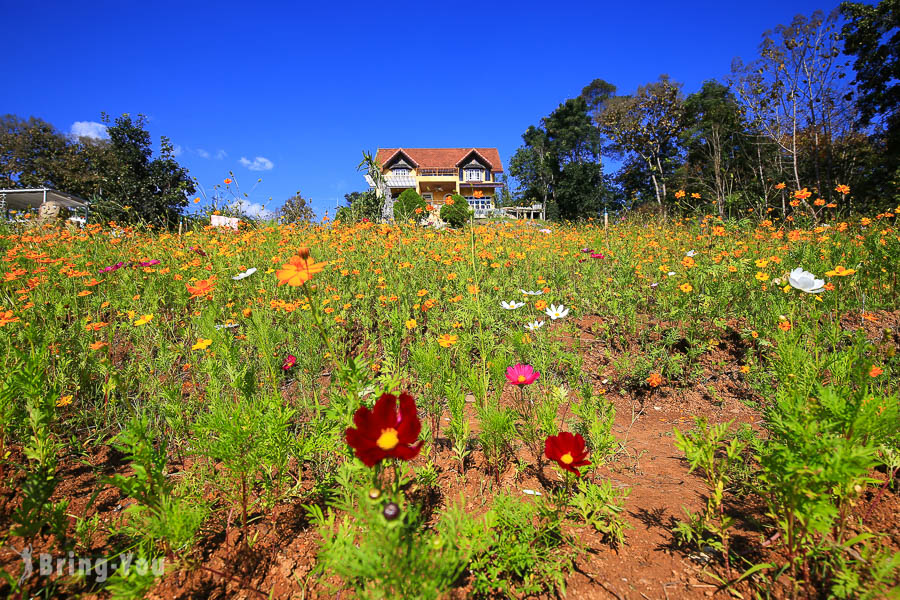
(227, 181)
(842, 189)
(202, 288)
(840, 271)
(655, 379)
(447, 340)
(875, 371)
(780, 186)
(802, 194)
(7, 317)
(98, 345)
(299, 269)
(686, 288)
(784, 325)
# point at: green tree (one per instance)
(531, 167)
(409, 205)
(32, 152)
(795, 94)
(296, 209)
(647, 125)
(559, 164)
(872, 36)
(458, 213)
(134, 186)
(718, 145)
(119, 175)
(360, 205)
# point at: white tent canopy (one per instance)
(32, 198)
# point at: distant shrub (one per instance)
(409, 206)
(456, 211)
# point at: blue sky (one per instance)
(298, 90)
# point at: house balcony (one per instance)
(438, 173)
(400, 181)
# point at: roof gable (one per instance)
(395, 156)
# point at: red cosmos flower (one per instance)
(567, 450)
(289, 362)
(521, 375)
(385, 432)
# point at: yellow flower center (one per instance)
(521, 379)
(567, 458)
(388, 439)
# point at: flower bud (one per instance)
(374, 493)
(391, 511)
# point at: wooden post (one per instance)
(180, 223)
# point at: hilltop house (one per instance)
(438, 173)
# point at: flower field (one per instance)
(661, 409)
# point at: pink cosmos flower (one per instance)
(289, 362)
(521, 375)
(596, 255)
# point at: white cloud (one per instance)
(260, 163)
(253, 209)
(221, 154)
(89, 129)
(177, 150)
(202, 153)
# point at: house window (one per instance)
(400, 171)
(481, 205)
(427, 198)
(474, 174)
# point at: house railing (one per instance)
(438, 172)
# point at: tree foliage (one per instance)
(360, 206)
(119, 175)
(559, 165)
(409, 206)
(296, 209)
(872, 38)
(647, 124)
(457, 213)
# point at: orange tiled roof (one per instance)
(441, 158)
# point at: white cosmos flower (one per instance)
(671, 273)
(227, 326)
(513, 305)
(532, 293)
(557, 312)
(245, 274)
(805, 281)
(544, 230)
(534, 326)
(691, 253)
